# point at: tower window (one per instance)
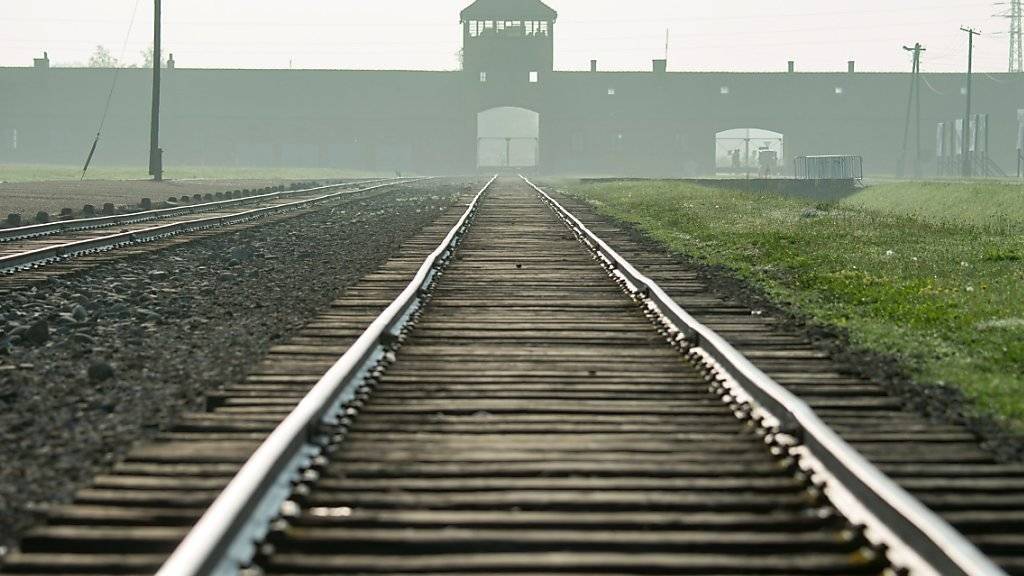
(534, 77)
(532, 27)
(483, 77)
(478, 28)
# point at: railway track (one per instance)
(531, 403)
(32, 246)
(26, 251)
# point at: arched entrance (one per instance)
(508, 137)
(749, 151)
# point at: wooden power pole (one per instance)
(913, 102)
(156, 160)
(967, 169)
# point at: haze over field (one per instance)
(418, 34)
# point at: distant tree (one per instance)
(102, 58)
(147, 58)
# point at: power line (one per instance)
(761, 16)
(445, 22)
(110, 95)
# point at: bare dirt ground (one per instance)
(27, 198)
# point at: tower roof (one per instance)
(508, 10)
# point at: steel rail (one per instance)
(79, 224)
(225, 537)
(21, 260)
(885, 507)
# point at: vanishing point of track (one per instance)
(529, 404)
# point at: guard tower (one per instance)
(508, 41)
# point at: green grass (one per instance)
(38, 172)
(932, 273)
(991, 205)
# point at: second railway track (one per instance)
(33, 246)
(513, 411)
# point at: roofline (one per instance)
(552, 15)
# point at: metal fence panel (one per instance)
(829, 167)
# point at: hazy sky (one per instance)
(424, 34)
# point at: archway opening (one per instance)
(508, 137)
(749, 151)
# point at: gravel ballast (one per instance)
(27, 198)
(92, 362)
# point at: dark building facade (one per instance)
(653, 123)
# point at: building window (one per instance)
(723, 90)
(480, 27)
(483, 77)
(611, 91)
(839, 90)
(534, 77)
(963, 90)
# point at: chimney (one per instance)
(593, 65)
(851, 66)
(660, 66)
(170, 62)
(43, 62)
(792, 66)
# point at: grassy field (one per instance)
(988, 205)
(930, 272)
(37, 172)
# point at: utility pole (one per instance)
(1016, 35)
(966, 170)
(156, 161)
(914, 101)
(917, 104)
